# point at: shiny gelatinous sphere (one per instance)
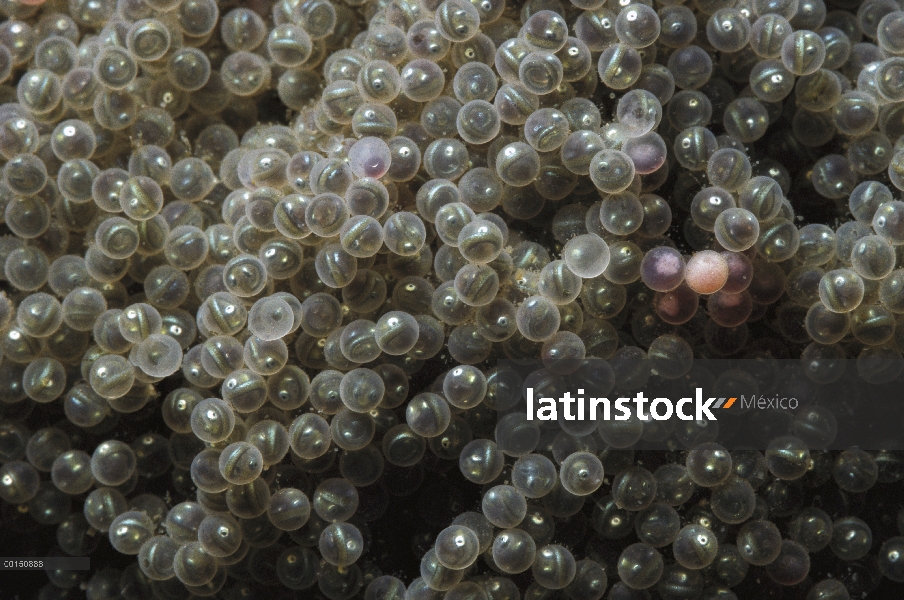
(457, 20)
(369, 157)
(289, 509)
(787, 457)
(888, 222)
(193, 565)
(478, 122)
(648, 152)
(39, 315)
(540, 72)
(663, 269)
(21, 135)
(141, 198)
(148, 39)
(378, 81)
(39, 91)
(111, 376)
(428, 414)
(841, 290)
(335, 500)
(205, 472)
(637, 25)
(803, 52)
(771, 81)
(464, 386)
(728, 168)
(514, 551)
(640, 566)
(817, 244)
(422, 80)
(71, 472)
(678, 26)
(851, 538)
(889, 560)
(515, 103)
(271, 438)
(690, 66)
(634, 488)
(480, 241)
(212, 420)
(621, 213)
(73, 139)
(113, 462)
(155, 557)
(792, 564)
(404, 233)
(27, 268)
(545, 30)
(733, 501)
(736, 229)
(554, 567)
(25, 174)
(457, 547)
(219, 535)
(619, 66)
(158, 355)
(446, 158)
(812, 528)
(270, 318)
(759, 542)
(241, 463)
(855, 113)
(517, 164)
(657, 525)
(102, 506)
(581, 473)
(244, 73)
(504, 506)
(708, 464)
(19, 482)
(612, 171)
(779, 240)
(362, 390)
(537, 318)
(728, 30)
(474, 80)
(341, 544)
(587, 255)
(117, 238)
(358, 341)
(558, 283)
(546, 129)
(534, 475)
(309, 436)
(707, 272)
(578, 150)
(129, 531)
(855, 470)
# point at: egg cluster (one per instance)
(267, 224)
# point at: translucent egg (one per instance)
(841, 290)
(612, 171)
(663, 269)
(619, 66)
(640, 566)
(113, 462)
(581, 473)
(803, 52)
(422, 79)
(540, 72)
